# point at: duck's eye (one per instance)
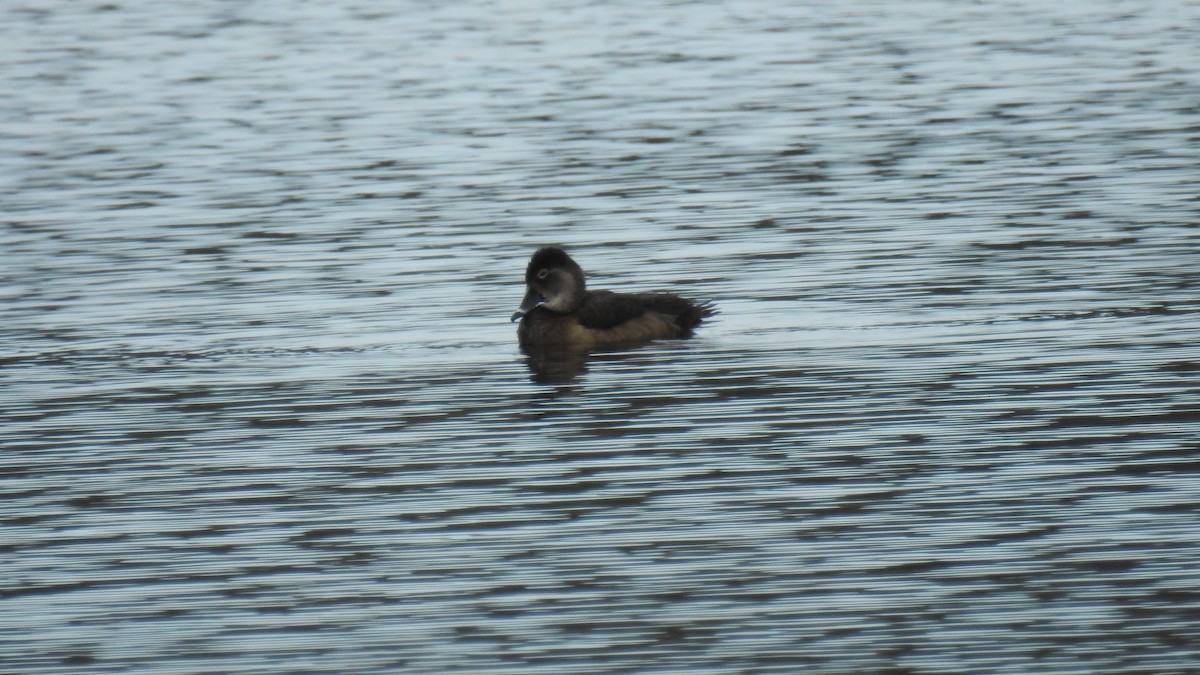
(543, 273)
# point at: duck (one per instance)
(559, 311)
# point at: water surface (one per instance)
(262, 408)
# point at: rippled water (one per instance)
(262, 408)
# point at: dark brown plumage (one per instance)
(558, 310)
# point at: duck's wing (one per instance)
(671, 305)
(684, 313)
(602, 310)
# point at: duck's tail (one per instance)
(695, 314)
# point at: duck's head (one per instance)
(552, 281)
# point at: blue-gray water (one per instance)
(261, 408)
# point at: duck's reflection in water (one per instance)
(565, 365)
(556, 365)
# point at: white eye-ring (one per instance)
(543, 273)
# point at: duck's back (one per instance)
(607, 319)
(605, 310)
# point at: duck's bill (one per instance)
(531, 300)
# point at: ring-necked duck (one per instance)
(558, 310)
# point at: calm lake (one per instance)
(262, 408)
